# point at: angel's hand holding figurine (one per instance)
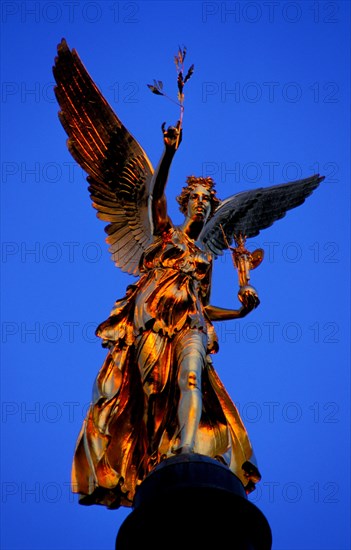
(249, 298)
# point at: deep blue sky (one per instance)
(268, 103)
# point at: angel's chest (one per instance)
(180, 253)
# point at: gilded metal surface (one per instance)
(157, 393)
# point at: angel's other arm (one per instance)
(249, 300)
(160, 219)
(222, 314)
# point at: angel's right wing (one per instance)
(119, 171)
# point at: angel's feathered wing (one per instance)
(249, 212)
(119, 171)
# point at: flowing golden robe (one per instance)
(132, 423)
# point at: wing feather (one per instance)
(119, 171)
(249, 212)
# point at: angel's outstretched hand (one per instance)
(172, 136)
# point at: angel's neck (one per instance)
(192, 228)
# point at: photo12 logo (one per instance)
(69, 12)
(269, 11)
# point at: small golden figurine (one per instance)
(244, 261)
(157, 393)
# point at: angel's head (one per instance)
(198, 198)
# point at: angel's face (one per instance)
(199, 204)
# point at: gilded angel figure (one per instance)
(157, 393)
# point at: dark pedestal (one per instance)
(193, 502)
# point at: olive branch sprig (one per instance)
(157, 86)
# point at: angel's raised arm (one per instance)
(160, 219)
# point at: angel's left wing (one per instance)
(119, 171)
(249, 212)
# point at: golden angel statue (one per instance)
(157, 393)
